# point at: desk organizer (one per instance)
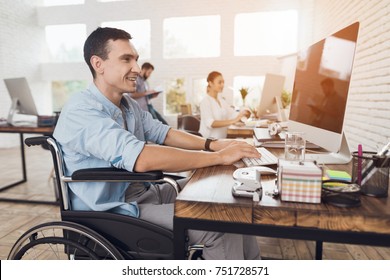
(299, 182)
(371, 172)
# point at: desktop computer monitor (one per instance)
(21, 98)
(272, 89)
(320, 92)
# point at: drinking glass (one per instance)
(294, 148)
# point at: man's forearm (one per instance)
(136, 95)
(155, 157)
(223, 123)
(181, 139)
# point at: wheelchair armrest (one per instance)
(111, 173)
(35, 141)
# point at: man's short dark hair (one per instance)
(96, 43)
(147, 66)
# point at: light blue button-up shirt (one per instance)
(91, 133)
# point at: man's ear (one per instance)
(97, 64)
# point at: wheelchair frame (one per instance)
(94, 234)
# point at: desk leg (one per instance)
(22, 152)
(24, 179)
(179, 239)
(318, 250)
(24, 170)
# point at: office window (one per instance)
(337, 58)
(48, 3)
(186, 37)
(139, 30)
(255, 85)
(66, 42)
(199, 91)
(266, 33)
(62, 90)
(175, 95)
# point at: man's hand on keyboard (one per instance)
(221, 144)
(236, 150)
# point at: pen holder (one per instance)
(371, 172)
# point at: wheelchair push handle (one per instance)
(36, 141)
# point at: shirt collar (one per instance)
(111, 107)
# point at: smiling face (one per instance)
(117, 74)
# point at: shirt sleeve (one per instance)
(206, 113)
(152, 130)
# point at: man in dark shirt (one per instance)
(143, 94)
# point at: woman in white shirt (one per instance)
(215, 113)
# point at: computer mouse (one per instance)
(265, 170)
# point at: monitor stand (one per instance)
(343, 156)
(26, 120)
(12, 111)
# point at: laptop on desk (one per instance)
(262, 137)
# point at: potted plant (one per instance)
(286, 99)
(244, 92)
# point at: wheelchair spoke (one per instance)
(63, 240)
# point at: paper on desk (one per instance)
(257, 123)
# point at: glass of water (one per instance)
(294, 148)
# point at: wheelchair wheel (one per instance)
(61, 241)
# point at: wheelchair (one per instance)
(94, 235)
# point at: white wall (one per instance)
(157, 11)
(22, 44)
(367, 115)
(368, 111)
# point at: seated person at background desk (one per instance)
(102, 127)
(215, 113)
(143, 95)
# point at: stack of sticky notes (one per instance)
(299, 181)
(336, 175)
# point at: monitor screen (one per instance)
(273, 87)
(321, 85)
(21, 98)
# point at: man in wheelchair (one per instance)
(102, 127)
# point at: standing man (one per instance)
(143, 94)
(103, 127)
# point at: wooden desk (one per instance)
(206, 203)
(235, 131)
(21, 130)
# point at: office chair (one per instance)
(94, 234)
(190, 124)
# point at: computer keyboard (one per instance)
(267, 158)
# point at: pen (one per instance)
(384, 150)
(359, 167)
(370, 169)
